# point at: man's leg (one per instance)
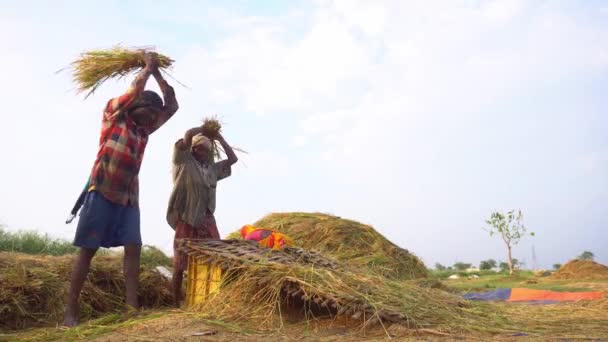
(79, 275)
(178, 276)
(131, 271)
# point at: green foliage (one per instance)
(152, 256)
(439, 267)
(461, 266)
(586, 255)
(510, 228)
(487, 264)
(504, 266)
(557, 266)
(490, 281)
(31, 242)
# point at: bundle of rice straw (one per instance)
(211, 127)
(96, 66)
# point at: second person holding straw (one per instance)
(192, 202)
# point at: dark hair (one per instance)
(147, 98)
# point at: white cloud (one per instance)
(393, 111)
(503, 11)
(368, 16)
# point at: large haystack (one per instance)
(351, 242)
(269, 287)
(582, 269)
(33, 288)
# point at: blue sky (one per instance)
(419, 118)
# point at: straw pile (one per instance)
(581, 269)
(33, 288)
(95, 67)
(584, 320)
(265, 286)
(351, 242)
(269, 289)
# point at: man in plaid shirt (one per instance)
(110, 214)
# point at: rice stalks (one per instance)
(212, 128)
(272, 294)
(33, 289)
(94, 67)
(356, 244)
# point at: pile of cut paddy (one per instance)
(33, 288)
(351, 242)
(581, 269)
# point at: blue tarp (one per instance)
(498, 294)
(502, 295)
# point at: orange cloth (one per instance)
(267, 238)
(519, 295)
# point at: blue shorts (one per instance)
(106, 224)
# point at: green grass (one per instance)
(31, 242)
(152, 256)
(520, 279)
(34, 243)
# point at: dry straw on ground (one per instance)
(272, 290)
(33, 288)
(581, 269)
(272, 287)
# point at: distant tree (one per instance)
(586, 255)
(487, 264)
(461, 266)
(504, 266)
(510, 228)
(557, 266)
(439, 267)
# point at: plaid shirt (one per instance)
(121, 148)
